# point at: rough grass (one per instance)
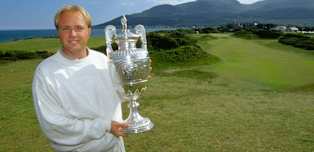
(232, 105)
(18, 125)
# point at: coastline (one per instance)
(20, 34)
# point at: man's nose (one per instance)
(73, 32)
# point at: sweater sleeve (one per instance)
(59, 126)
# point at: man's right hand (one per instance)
(117, 128)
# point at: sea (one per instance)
(13, 35)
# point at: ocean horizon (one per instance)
(14, 35)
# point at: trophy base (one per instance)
(140, 126)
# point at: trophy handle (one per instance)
(110, 32)
(140, 30)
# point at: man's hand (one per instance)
(117, 128)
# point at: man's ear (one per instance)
(90, 31)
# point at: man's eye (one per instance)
(75, 28)
(79, 28)
(66, 29)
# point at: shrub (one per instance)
(245, 34)
(139, 43)
(157, 41)
(43, 53)
(21, 55)
(171, 40)
(25, 55)
(184, 31)
(182, 38)
(101, 48)
(297, 40)
(182, 54)
(14, 55)
(267, 34)
(208, 30)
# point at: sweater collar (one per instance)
(68, 59)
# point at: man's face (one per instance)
(73, 32)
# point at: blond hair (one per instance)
(73, 8)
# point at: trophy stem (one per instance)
(136, 122)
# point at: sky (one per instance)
(39, 14)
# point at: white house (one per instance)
(279, 28)
(292, 29)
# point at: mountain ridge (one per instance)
(217, 12)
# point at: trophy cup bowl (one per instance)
(133, 67)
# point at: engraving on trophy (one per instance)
(133, 66)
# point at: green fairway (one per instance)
(258, 98)
(265, 64)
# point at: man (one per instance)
(76, 93)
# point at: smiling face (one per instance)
(74, 33)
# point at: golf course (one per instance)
(259, 97)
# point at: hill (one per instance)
(216, 12)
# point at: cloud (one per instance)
(248, 1)
(173, 2)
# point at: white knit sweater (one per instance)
(76, 100)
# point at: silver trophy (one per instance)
(132, 63)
